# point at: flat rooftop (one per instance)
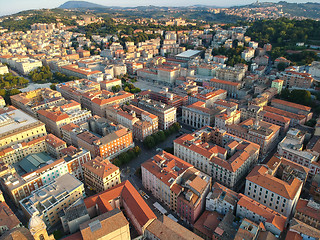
(189, 53)
(13, 120)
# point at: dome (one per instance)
(36, 224)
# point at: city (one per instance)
(160, 122)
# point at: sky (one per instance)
(14, 6)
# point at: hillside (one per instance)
(80, 4)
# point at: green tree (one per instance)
(149, 142)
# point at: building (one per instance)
(48, 200)
(297, 79)
(259, 132)
(248, 54)
(37, 172)
(279, 193)
(110, 225)
(231, 74)
(256, 212)
(82, 72)
(197, 115)
(315, 187)
(300, 230)
(209, 97)
(123, 196)
(276, 119)
(108, 84)
(308, 211)
(2, 102)
(226, 118)
(100, 174)
(3, 69)
(166, 228)
(18, 127)
(32, 101)
(278, 84)
(166, 114)
(232, 88)
(8, 220)
(168, 98)
(314, 69)
(141, 130)
(37, 229)
(117, 140)
(292, 107)
(291, 147)
(224, 157)
(221, 199)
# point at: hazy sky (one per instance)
(13, 6)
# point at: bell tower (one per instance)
(38, 228)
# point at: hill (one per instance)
(80, 4)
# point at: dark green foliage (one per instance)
(233, 54)
(127, 156)
(9, 81)
(297, 96)
(41, 75)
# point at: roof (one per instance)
(305, 229)
(128, 194)
(54, 141)
(103, 225)
(283, 113)
(208, 222)
(7, 217)
(99, 167)
(259, 175)
(20, 233)
(276, 117)
(170, 230)
(309, 209)
(225, 82)
(34, 161)
(53, 116)
(188, 53)
(290, 104)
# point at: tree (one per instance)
(281, 66)
(116, 88)
(149, 142)
(53, 87)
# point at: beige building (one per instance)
(224, 157)
(48, 200)
(230, 74)
(108, 84)
(2, 102)
(18, 127)
(233, 88)
(100, 174)
(165, 113)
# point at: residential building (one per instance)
(259, 132)
(168, 98)
(221, 199)
(231, 87)
(38, 172)
(117, 140)
(166, 114)
(209, 97)
(224, 157)
(123, 196)
(279, 193)
(308, 211)
(142, 129)
(291, 147)
(276, 119)
(314, 69)
(231, 74)
(248, 230)
(300, 230)
(108, 84)
(18, 127)
(248, 54)
(48, 200)
(3, 69)
(292, 107)
(197, 115)
(100, 174)
(82, 72)
(256, 212)
(227, 118)
(315, 187)
(55, 145)
(297, 79)
(278, 84)
(2, 102)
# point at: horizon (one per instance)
(16, 6)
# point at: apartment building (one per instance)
(276, 119)
(108, 84)
(314, 69)
(18, 127)
(291, 147)
(19, 185)
(132, 67)
(2, 102)
(48, 200)
(279, 193)
(32, 101)
(297, 79)
(142, 129)
(168, 98)
(100, 175)
(295, 119)
(256, 212)
(55, 145)
(232, 88)
(262, 133)
(24, 65)
(307, 211)
(292, 107)
(248, 54)
(82, 72)
(278, 84)
(73, 90)
(208, 96)
(57, 117)
(117, 140)
(224, 157)
(197, 115)
(231, 74)
(226, 118)
(3, 69)
(220, 59)
(166, 114)
(8, 219)
(221, 199)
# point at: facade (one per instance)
(18, 127)
(231, 87)
(224, 157)
(297, 79)
(100, 175)
(166, 114)
(49, 199)
(209, 97)
(276, 119)
(278, 84)
(292, 107)
(276, 193)
(314, 69)
(230, 74)
(259, 132)
(226, 118)
(142, 129)
(108, 84)
(197, 115)
(307, 211)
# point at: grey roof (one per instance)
(33, 162)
